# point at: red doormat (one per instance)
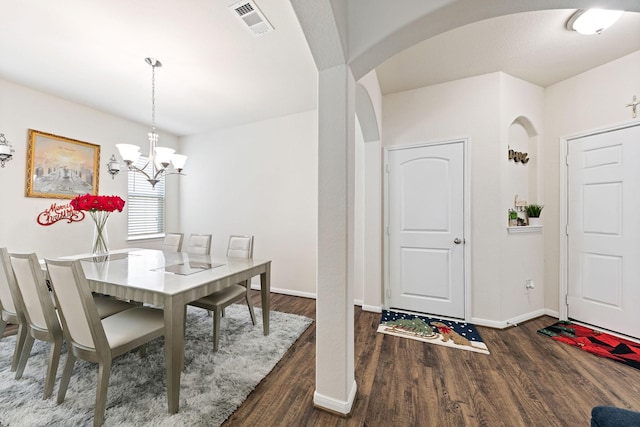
(598, 343)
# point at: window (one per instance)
(145, 204)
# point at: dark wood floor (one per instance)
(528, 380)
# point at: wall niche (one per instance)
(522, 168)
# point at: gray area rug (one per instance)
(213, 385)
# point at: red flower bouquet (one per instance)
(99, 207)
(90, 203)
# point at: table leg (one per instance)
(265, 291)
(174, 351)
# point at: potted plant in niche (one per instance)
(533, 214)
(513, 218)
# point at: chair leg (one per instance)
(3, 325)
(251, 312)
(104, 370)
(66, 376)
(24, 355)
(217, 314)
(20, 339)
(54, 360)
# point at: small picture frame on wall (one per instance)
(60, 167)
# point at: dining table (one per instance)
(172, 280)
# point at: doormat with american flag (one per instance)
(461, 335)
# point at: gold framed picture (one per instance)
(60, 167)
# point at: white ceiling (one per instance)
(216, 73)
(534, 46)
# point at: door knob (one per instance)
(457, 241)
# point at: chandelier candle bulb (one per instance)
(178, 161)
(163, 156)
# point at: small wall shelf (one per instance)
(525, 229)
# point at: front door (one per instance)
(604, 230)
(426, 229)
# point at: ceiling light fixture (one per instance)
(593, 21)
(159, 157)
(6, 150)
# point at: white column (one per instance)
(335, 380)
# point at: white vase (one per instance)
(534, 221)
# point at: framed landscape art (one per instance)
(60, 167)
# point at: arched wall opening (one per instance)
(522, 170)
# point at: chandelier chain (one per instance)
(153, 98)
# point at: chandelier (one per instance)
(159, 158)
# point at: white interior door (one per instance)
(426, 229)
(604, 230)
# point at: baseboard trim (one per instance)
(334, 406)
(256, 287)
(496, 324)
(503, 324)
(372, 308)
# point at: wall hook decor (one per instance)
(634, 107)
(518, 156)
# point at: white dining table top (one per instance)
(161, 272)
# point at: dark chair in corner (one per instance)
(92, 339)
(172, 242)
(608, 416)
(240, 247)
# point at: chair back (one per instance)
(199, 244)
(173, 242)
(240, 247)
(79, 314)
(7, 281)
(37, 303)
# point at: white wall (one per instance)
(23, 108)
(482, 109)
(369, 115)
(522, 255)
(359, 214)
(468, 108)
(258, 179)
(592, 100)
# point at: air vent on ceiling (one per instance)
(249, 13)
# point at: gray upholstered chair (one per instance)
(199, 244)
(40, 313)
(172, 242)
(9, 313)
(240, 247)
(92, 339)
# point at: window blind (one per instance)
(145, 204)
